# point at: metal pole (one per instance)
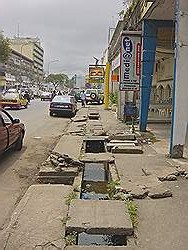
(106, 89)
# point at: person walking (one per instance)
(83, 98)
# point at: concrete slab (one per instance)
(99, 217)
(66, 171)
(98, 248)
(99, 157)
(127, 149)
(124, 141)
(122, 137)
(111, 145)
(79, 119)
(70, 145)
(36, 222)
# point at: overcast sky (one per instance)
(72, 31)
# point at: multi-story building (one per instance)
(32, 49)
(19, 69)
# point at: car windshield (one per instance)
(61, 98)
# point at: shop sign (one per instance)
(130, 62)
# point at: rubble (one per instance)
(59, 168)
(159, 192)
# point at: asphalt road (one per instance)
(18, 169)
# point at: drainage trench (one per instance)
(95, 187)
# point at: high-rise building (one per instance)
(32, 49)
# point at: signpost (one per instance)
(130, 61)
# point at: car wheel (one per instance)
(26, 106)
(19, 142)
(51, 113)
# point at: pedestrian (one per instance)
(27, 96)
(83, 98)
(53, 94)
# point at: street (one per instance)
(18, 169)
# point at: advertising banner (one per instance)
(130, 61)
(96, 73)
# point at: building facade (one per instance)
(19, 70)
(32, 49)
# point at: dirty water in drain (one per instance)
(95, 146)
(95, 187)
(95, 182)
(85, 239)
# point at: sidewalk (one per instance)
(163, 222)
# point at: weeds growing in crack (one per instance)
(73, 195)
(132, 209)
(70, 239)
(111, 187)
(65, 219)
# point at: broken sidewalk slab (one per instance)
(69, 145)
(100, 248)
(159, 192)
(122, 136)
(111, 145)
(37, 220)
(124, 141)
(79, 119)
(64, 176)
(99, 217)
(98, 157)
(129, 149)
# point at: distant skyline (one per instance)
(72, 31)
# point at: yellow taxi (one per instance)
(13, 100)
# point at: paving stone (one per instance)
(127, 149)
(36, 221)
(99, 217)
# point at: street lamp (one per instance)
(48, 72)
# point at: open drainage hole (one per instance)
(95, 182)
(95, 146)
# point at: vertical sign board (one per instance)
(130, 61)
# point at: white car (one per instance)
(46, 96)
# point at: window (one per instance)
(7, 120)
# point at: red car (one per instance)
(12, 132)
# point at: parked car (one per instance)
(13, 100)
(12, 132)
(63, 104)
(94, 96)
(46, 96)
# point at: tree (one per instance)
(58, 80)
(4, 49)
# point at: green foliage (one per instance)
(111, 187)
(73, 195)
(113, 98)
(65, 219)
(132, 209)
(4, 49)
(70, 239)
(60, 79)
